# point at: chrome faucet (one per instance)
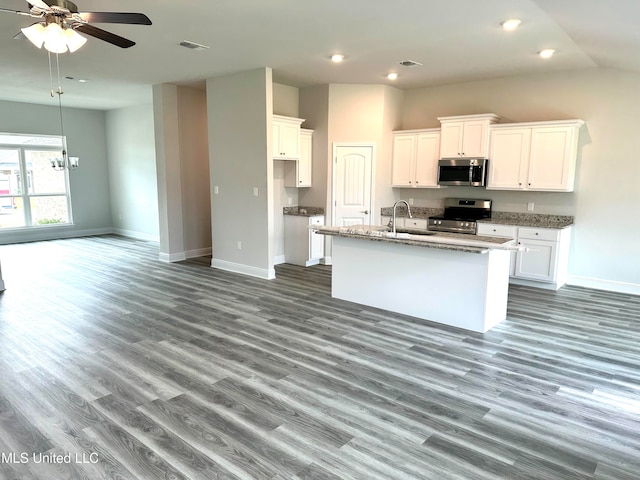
(393, 219)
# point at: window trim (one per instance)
(24, 183)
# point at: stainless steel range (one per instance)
(460, 215)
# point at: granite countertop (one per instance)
(530, 220)
(541, 220)
(416, 212)
(441, 240)
(303, 211)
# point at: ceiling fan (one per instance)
(64, 14)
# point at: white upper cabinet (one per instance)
(299, 173)
(537, 156)
(466, 136)
(509, 158)
(286, 137)
(415, 158)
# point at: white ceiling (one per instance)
(455, 40)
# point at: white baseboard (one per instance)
(533, 283)
(50, 233)
(180, 256)
(200, 252)
(264, 273)
(600, 284)
(325, 261)
(172, 257)
(137, 235)
(279, 259)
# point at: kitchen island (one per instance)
(457, 280)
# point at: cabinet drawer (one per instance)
(420, 223)
(493, 230)
(319, 220)
(551, 234)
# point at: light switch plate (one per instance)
(530, 207)
(255, 191)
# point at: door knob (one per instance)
(366, 212)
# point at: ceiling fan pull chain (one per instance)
(60, 92)
(50, 73)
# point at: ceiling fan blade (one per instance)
(115, 17)
(18, 12)
(39, 3)
(19, 36)
(104, 35)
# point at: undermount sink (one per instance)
(409, 232)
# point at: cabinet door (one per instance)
(426, 162)
(509, 158)
(304, 165)
(552, 160)
(451, 139)
(316, 241)
(539, 263)
(475, 139)
(404, 154)
(289, 141)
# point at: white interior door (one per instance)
(352, 180)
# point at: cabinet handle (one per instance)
(300, 181)
(417, 182)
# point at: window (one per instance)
(32, 193)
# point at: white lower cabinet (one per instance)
(405, 222)
(303, 246)
(544, 262)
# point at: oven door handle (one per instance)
(470, 175)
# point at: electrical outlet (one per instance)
(255, 191)
(216, 190)
(239, 245)
(530, 207)
(411, 201)
(289, 201)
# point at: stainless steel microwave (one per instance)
(471, 172)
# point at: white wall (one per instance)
(85, 132)
(365, 114)
(314, 107)
(194, 160)
(240, 110)
(182, 164)
(285, 102)
(604, 251)
(132, 172)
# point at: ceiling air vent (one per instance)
(192, 45)
(410, 63)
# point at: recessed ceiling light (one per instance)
(511, 24)
(392, 76)
(83, 80)
(337, 58)
(547, 53)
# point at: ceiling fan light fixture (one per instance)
(35, 34)
(54, 39)
(74, 40)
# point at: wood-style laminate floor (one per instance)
(174, 371)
